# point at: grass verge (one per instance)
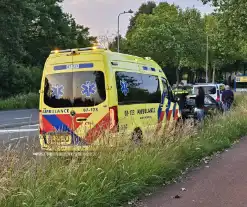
(112, 178)
(26, 101)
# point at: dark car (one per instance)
(210, 105)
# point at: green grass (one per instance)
(26, 101)
(114, 177)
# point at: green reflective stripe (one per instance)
(180, 92)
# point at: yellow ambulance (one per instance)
(89, 94)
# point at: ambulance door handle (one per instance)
(81, 119)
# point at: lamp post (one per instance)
(118, 35)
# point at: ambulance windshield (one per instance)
(77, 89)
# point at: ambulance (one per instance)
(88, 94)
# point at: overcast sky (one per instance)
(101, 15)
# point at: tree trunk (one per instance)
(213, 78)
(177, 73)
(210, 72)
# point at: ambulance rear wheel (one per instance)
(137, 136)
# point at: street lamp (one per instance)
(118, 35)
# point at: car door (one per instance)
(169, 112)
(131, 101)
(151, 87)
(210, 105)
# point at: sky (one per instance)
(101, 15)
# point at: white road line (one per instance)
(15, 123)
(17, 138)
(34, 125)
(18, 130)
(22, 118)
(26, 124)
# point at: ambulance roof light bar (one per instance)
(80, 49)
(92, 48)
(60, 51)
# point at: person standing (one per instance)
(227, 98)
(200, 113)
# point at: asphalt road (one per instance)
(221, 183)
(18, 125)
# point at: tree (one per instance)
(234, 14)
(171, 36)
(146, 8)
(124, 47)
(51, 29)
(30, 29)
(231, 41)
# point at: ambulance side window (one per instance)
(137, 88)
(151, 85)
(165, 86)
(167, 89)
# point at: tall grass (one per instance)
(22, 101)
(113, 177)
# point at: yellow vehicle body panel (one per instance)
(85, 100)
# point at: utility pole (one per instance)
(207, 62)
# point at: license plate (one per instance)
(59, 140)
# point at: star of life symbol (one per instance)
(57, 91)
(124, 87)
(88, 89)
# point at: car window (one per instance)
(58, 91)
(165, 86)
(78, 89)
(134, 88)
(167, 89)
(207, 89)
(209, 100)
(88, 88)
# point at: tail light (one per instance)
(218, 96)
(40, 122)
(113, 118)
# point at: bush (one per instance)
(113, 177)
(27, 101)
(18, 79)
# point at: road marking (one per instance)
(22, 118)
(15, 123)
(17, 138)
(26, 124)
(18, 130)
(34, 125)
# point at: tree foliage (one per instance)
(146, 8)
(30, 29)
(177, 38)
(171, 36)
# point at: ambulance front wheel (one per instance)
(137, 136)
